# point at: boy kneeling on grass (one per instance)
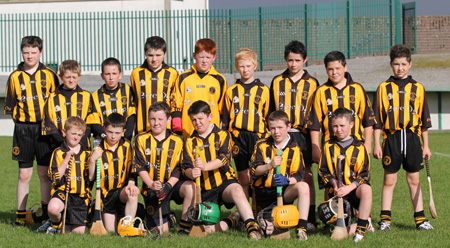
(265, 160)
(217, 177)
(117, 183)
(79, 197)
(356, 188)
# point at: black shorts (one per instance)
(28, 144)
(304, 141)
(112, 203)
(77, 208)
(393, 156)
(266, 197)
(152, 206)
(244, 145)
(215, 195)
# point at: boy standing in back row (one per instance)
(401, 110)
(26, 91)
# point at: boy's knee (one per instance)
(25, 176)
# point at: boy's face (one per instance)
(341, 127)
(31, 56)
(400, 67)
(246, 68)
(336, 71)
(201, 122)
(295, 62)
(111, 75)
(279, 130)
(158, 122)
(70, 79)
(73, 136)
(113, 134)
(155, 58)
(204, 61)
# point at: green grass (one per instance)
(403, 231)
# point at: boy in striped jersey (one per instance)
(401, 110)
(244, 114)
(27, 89)
(292, 92)
(118, 185)
(112, 97)
(157, 157)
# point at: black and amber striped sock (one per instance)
(302, 225)
(419, 218)
(361, 226)
(229, 221)
(251, 225)
(56, 225)
(20, 214)
(385, 216)
(185, 226)
(312, 214)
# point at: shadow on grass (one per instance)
(8, 218)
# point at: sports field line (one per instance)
(441, 154)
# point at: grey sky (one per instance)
(424, 7)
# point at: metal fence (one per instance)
(359, 27)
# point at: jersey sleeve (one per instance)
(256, 160)
(315, 117)
(226, 111)
(297, 170)
(53, 173)
(368, 117)
(224, 153)
(378, 109)
(362, 169)
(177, 97)
(48, 126)
(188, 156)
(426, 119)
(324, 169)
(139, 161)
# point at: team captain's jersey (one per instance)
(190, 88)
(401, 104)
(294, 98)
(59, 107)
(150, 87)
(79, 173)
(216, 146)
(357, 163)
(106, 102)
(328, 98)
(26, 94)
(115, 166)
(246, 107)
(146, 157)
(292, 165)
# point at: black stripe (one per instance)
(304, 102)
(79, 101)
(282, 97)
(23, 94)
(330, 110)
(411, 105)
(101, 98)
(154, 87)
(355, 154)
(116, 168)
(401, 113)
(257, 117)
(165, 95)
(293, 96)
(391, 114)
(78, 173)
(236, 107)
(58, 113)
(357, 127)
(106, 170)
(37, 107)
(169, 159)
(247, 94)
(143, 103)
(124, 95)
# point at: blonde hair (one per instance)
(246, 53)
(69, 65)
(75, 121)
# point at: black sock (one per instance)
(361, 227)
(385, 216)
(419, 218)
(302, 225)
(44, 211)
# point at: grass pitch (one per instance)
(403, 233)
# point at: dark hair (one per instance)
(334, 56)
(278, 115)
(199, 107)
(111, 61)
(343, 112)
(160, 106)
(155, 43)
(400, 51)
(115, 120)
(295, 46)
(31, 41)
(206, 45)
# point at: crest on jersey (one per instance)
(305, 95)
(43, 82)
(353, 161)
(102, 104)
(329, 102)
(189, 89)
(148, 151)
(352, 99)
(166, 82)
(217, 144)
(170, 153)
(79, 105)
(212, 90)
(23, 87)
(390, 96)
(105, 166)
(257, 99)
(235, 99)
(413, 96)
(57, 108)
(124, 100)
(142, 82)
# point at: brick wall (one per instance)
(433, 34)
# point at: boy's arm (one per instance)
(426, 152)
(258, 165)
(313, 123)
(93, 162)
(223, 90)
(226, 111)
(368, 138)
(377, 150)
(151, 184)
(129, 128)
(187, 164)
(315, 143)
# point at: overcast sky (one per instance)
(424, 7)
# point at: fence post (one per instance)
(231, 40)
(306, 27)
(349, 30)
(260, 40)
(415, 28)
(398, 22)
(391, 18)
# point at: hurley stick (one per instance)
(158, 166)
(340, 232)
(67, 189)
(97, 225)
(431, 206)
(198, 231)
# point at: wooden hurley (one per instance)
(340, 231)
(282, 234)
(198, 231)
(158, 165)
(97, 225)
(67, 189)
(431, 206)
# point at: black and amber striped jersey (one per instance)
(246, 107)
(328, 98)
(106, 102)
(401, 104)
(150, 87)
(146, 157)
(79, 173)
(190, 88)
(115, 166)
(59, 107)
(26, 94)
(294, 98)
(217, 145)
(357, 163)
(292, 165)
